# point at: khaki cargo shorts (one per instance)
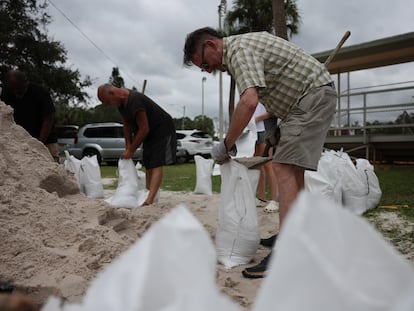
(303, 131)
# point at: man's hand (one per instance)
(127, 154)
(221, 154)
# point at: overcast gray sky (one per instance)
(145, 38)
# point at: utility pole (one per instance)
(182, 120)
(202, 97)
(221, 12)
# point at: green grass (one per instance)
(179, 177)
(397, 185)
(182, 177)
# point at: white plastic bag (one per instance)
(72, 165)
(354, 190)
(237, 236)
(204, 169)
(327, 258)
(142, 184)
(247, 140)
(326, 180)
(366, 173)
(127, 193)
(90, 177)
(172, 267)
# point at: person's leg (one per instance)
(261, 186)
(153, 180)
(289, 188)
(272, 181)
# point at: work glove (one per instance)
(221, 154)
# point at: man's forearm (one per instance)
(241, 116)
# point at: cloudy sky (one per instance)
(145, 38)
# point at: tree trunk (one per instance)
(231, 96)
(279, 18)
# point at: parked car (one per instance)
(105, 140)
(195, 142)
(181, 156)
(66, 135)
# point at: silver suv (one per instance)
(105, 140)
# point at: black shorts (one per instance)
(160, 152)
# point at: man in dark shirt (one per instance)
(147, 123)
(33, 108)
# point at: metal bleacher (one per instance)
(375, 135)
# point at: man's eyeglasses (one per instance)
(204, 66)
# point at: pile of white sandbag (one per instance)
(87, 173)
(326, 258)
(355, 186)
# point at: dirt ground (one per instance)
(54, 240)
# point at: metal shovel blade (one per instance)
(252, 162)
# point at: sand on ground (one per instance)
(55, 240)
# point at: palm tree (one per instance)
(249, 16)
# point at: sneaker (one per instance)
(271, 207)
(259, 270)
(6, 288)
(260, 202)
(269, 242)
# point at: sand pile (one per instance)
(48, 241)
(54, 240)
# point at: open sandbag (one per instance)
(90, 177)
(127, 193)
(237, 235)
(172, 267)
(326, 180)
(366, 173)
(327, 258)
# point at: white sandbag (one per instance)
(366, 173)
(216, 170)
(327, 258)
(247, 140)
(90, 177)
(127, 193)
(237, 236)
(142, 184)
(204, 169)
(72, 165)
(172, 267)
(354, 189)
(326, 180)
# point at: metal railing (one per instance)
(355, 117)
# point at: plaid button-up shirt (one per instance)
(281, 71)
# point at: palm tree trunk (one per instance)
(231, 96)
(279, 18)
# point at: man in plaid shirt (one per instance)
(290, 83)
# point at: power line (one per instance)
(90, 40)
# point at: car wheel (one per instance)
(181, 159)
(90, 152)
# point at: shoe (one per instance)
(269, 242)
(258, 271)
(260, 202)
(6, 288)
(271, 207)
